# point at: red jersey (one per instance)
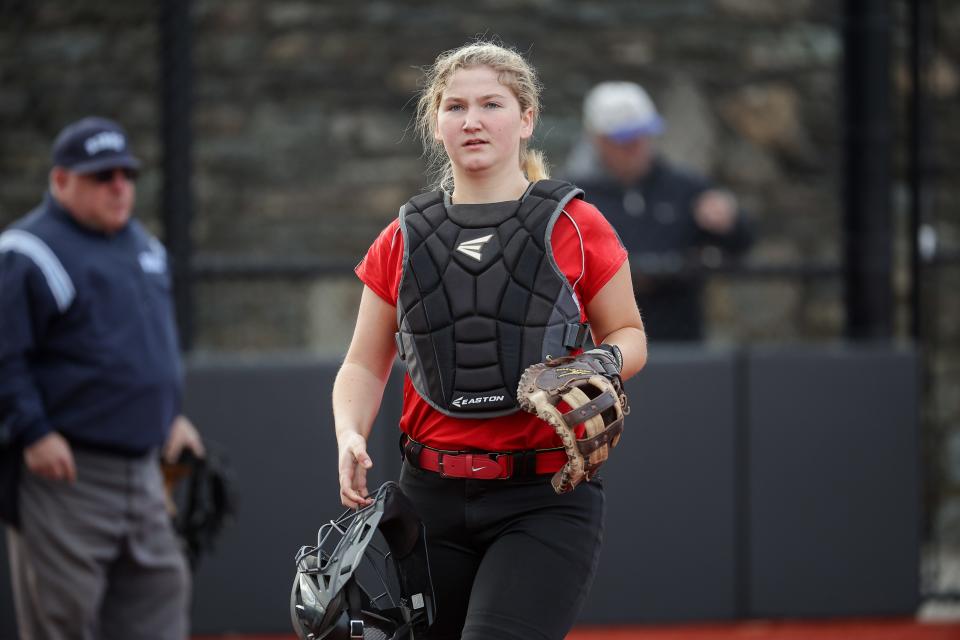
(589, 253)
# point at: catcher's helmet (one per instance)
(328, 600)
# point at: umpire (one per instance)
(90, 387)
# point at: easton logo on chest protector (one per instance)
(481, 297)
(473, 248)
(460, 401)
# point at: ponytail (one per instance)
(534, 165)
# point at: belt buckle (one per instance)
(484, 467)
(478, 466)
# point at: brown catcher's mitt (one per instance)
(590, 385)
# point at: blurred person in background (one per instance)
(510, 558)
(90, 390)
(671, 220)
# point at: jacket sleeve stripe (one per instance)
(29, 245)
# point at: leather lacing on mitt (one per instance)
(590, 385)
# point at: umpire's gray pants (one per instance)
(98, 559)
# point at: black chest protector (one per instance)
(482, 298)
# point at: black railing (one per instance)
(212, 266)
(209, 266)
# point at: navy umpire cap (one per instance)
(93, 144)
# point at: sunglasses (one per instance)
(107, 175)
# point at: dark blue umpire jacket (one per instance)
(88, 343)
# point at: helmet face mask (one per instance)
(368, 575)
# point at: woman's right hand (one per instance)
(353, 463)
(357, 391)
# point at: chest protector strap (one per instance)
(481, 297)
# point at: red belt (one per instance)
(483, 465)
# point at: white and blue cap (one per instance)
(621, 111)
(91, 145)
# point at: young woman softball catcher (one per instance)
(488, 288)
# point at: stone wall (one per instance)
(302, 118)
(303, 143)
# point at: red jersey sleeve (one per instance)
(380, 269)
(586, 248)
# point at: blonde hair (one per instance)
(513, 71)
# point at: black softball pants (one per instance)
(510, 559)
